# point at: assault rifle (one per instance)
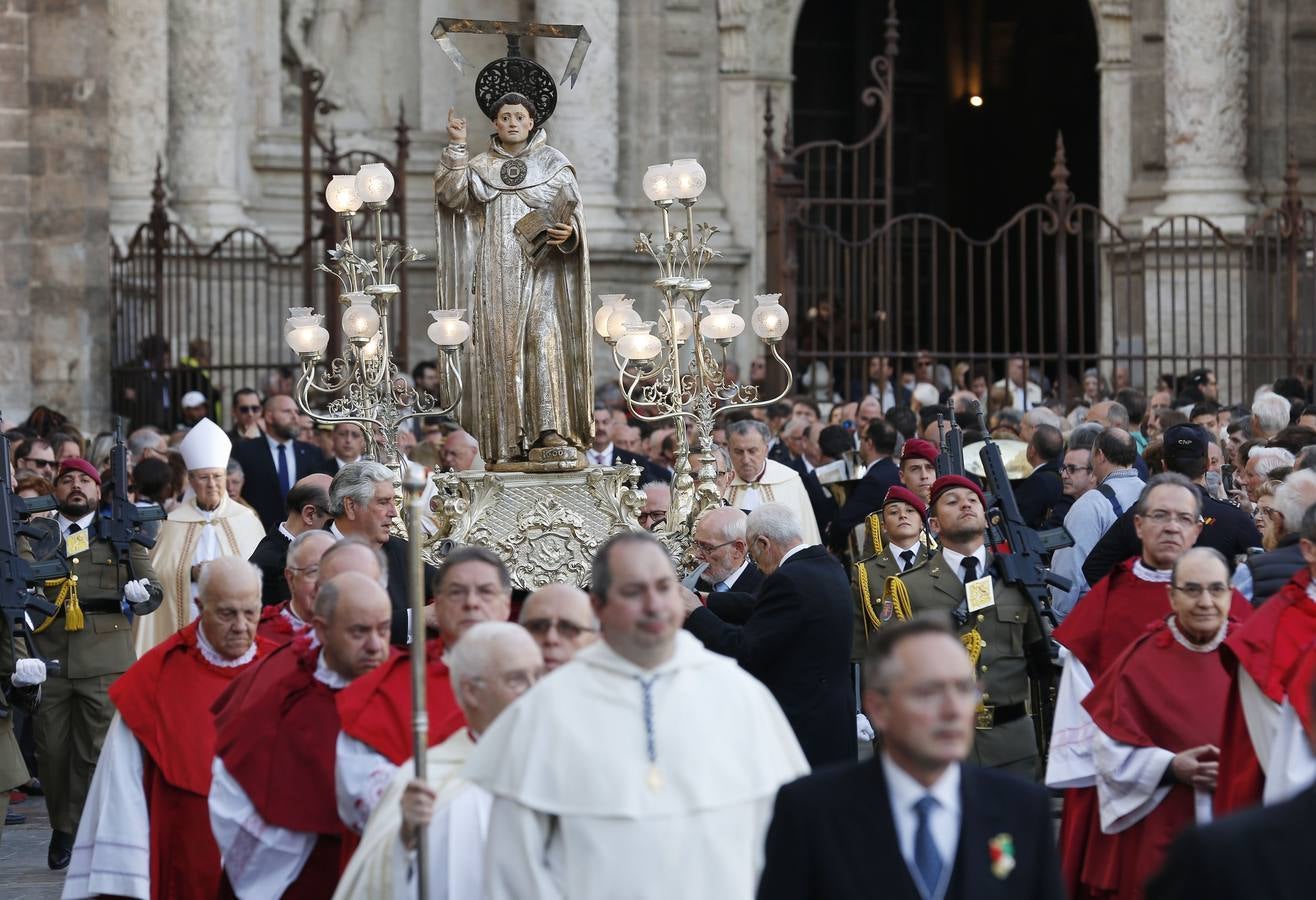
(130, 523)
(20, 580)
(950, 453)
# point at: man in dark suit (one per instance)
(348, 442)
(1039, 493)
(308, 508)
(915, 821)
(603, 452)
(876, 448)
(361, 503)
(274, 463)
(797, 638)
(731, 580)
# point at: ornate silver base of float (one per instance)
(545, 526)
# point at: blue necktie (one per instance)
(926, 858)
(720, 586)
(285, 485)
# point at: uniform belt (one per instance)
(95, 607)
(990, 717)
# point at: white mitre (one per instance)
(205, 447)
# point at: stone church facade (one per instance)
(1200, 101)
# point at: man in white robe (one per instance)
(494, 664)
(205, 527)
(645, 767)
(761, 480)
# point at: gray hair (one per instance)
(774, 521)
(926, 394)
(1270, 412)
(234, 467)
(472, 658)
(796, 422)
(1040, 415)
(1173, 479)
(357, 481)
(724, 458)
(749, 426)
(1269, 459)
(1294, 497)
(302, 540)
(146, 437)
(734, 526)
(1117, 416)
(225, 568)
(1084, 436)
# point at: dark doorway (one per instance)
(1030, 63)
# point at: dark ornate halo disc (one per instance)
(516, 75)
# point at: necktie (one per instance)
(906, 560)
(74, 528)
(970, 565)
(926, 858)
(720, 586)
(285, 484)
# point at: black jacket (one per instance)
(833, 838)
(821, 499)
(1262, 852)
(271, 557)
(739, 599)
(1039, 493)
(1227, 529)
(1273, 569)
(866, 498)
(395, 554)
(797, 642)
(261, 488)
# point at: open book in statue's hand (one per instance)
(532, 228)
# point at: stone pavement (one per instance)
(23, 871)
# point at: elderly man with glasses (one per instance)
(559, 618)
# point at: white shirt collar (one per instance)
(791, 552)
(896, 549)
(328, 676)
(1199, 648)
(1311, 590)
(83, 524)
(212, 656)
(731, 579)
(1147, 573)
(954, 559)
(605, 453)
(275, 445)
(283, 530)
(808, 466)
(346, 462)
(338, 535)
(904, 791)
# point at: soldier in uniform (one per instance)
(20, 685)
(900, 544)
(995, 622)
(90, 636)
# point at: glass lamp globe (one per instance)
(374, 183)
(637, 343)
(360, 320)
(622, 315)
(604, 312)
(341, 194)
(657, 183)
(448, 329)
(689, 179)
(304, 332)
(770, 319)
(721, 323)
(684, 322)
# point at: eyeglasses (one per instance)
(1165, 517)
(1195, 591)
(43, 463)
(249, 408)
(1074, 470)
(709, 548)
(568, 629)
(656, 517)
(308, 571)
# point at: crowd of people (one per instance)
(850, 687)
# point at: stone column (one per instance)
(139, 107)
(586, 124)
(1206, 110)
(206, 152)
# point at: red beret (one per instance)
(917, 448)
(946, 482)
(78, 464)
(898, 494)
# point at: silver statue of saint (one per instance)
(529, 385)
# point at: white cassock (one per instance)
(1069, 759)
(382, 867)
(610, 780)
(777, 484)
(1291, 767)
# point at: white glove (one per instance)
(863, 729)
(137, 591)
(28, 673)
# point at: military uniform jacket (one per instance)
(13, 771)
(872, 572)
(1007, 629)
(104, 644)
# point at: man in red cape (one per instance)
(281, 622)
(472, 586)
(1260, 656)
(145, 830)
(1158, 713)
(271, 796)
(1101, 626)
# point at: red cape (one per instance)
(1158, 693)
(275, 626)
(376, 708)
(158, 699)
(1267, 647)
(1108, 618)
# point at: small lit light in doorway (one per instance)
(975, 101)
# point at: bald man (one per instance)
(461, 453)
(272, 794)
(560, 619)
(308, 510)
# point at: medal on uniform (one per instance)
(76, 543)
(654, 779)
(979, 593)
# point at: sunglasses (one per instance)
(44, 463)
(249, 409)
(565, 627)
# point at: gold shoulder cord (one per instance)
(894, 595)
(68, 594)
(875, 532)
(973, 643)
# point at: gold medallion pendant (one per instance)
(654, 779)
